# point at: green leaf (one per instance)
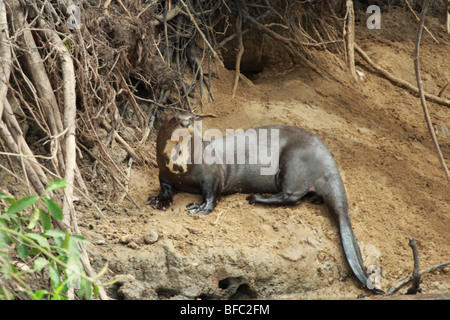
(96, 290)
(23, 251)
(7, 197)
(53, 208)
(54, 276)
(39, 239)
(55, 233)
(74, 249)
(8, 294)
(65, 244)
(4, 239)
(39, 295)
(85, 289)
(22, 204)
(11, 217)
(34, 251)
(40, 263)
(73, 272)
(45, 219)
(58, 296)
(55, 184)
(68, 44)
(58, 242)
(81, 239)
(59, 237)
(34, 218)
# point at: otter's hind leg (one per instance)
(292, 188)
(280, 198)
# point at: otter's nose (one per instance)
(185, 124)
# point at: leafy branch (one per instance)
(35, 241)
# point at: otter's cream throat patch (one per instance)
(178, 152)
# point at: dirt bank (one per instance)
(377, 134)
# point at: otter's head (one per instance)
(174, 142)
(182, 123)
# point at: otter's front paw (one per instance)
(251, 199)
(196, 208)
(159, 204)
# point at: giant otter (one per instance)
(304, 169)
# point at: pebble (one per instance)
(151, 237)
(100, 242)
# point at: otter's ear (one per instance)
(162, 118)
(166, 117)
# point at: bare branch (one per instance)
(422, 94)
(416, 276)
(400, 82)
(349, 35)
(5, 55)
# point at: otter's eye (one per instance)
(185, 124)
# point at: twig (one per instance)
(422, 95)
(112, 174)
(16, 132)
(9, 160)
(221, 215)
(176, 10)
(142, 118)
(146, 8)
(206, 115)
(231, 37)
(320, 44)
(196, 64)
(180, 66)
(107, 3)
(418, 20)
(405, 280)
(436, 267)
(397, 81)
(416, 277)
(447, 15)
(272, 34)
(287, 42)
(214, 53)
(119, 139)
(5, 134)
(127, 181)
(124, 8)
(240, 51)
(443, 89)
(349, 35)
(5, 55)
(150, 127)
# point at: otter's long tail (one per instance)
(336, 200)
(353, 254)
